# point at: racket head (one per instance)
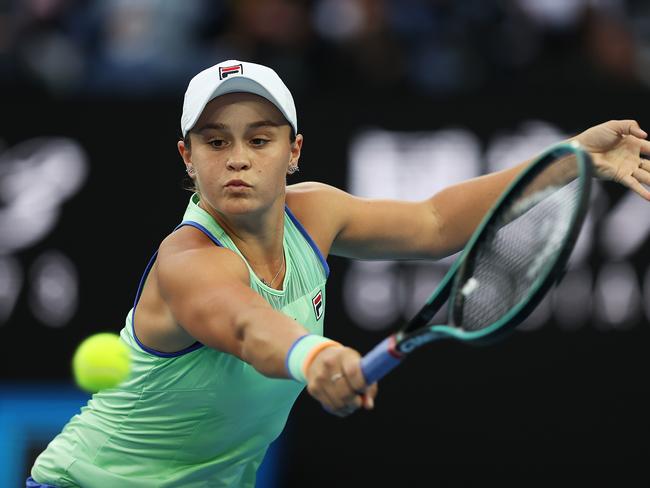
(527, 190)
(521, 248)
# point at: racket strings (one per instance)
(520, 247)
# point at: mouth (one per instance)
(237, 184)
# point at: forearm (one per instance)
(266, 336)
(461, 207)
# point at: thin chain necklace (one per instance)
(276, 274)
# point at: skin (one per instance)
(244, 137)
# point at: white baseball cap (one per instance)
(235, 76)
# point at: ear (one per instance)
(294, 157)
(186, 154)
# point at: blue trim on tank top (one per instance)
(200, 227)
(148, 349)
(308, 238)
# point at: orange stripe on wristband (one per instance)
(314, 351)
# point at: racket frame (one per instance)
(418, 331)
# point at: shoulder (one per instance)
(315, 197)
(184, 239)
(189, 248)
(320, 208)
(310, 190)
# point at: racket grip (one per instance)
(380, 361)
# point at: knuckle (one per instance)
(329, 361)
(350, 398)
(312, 389)
(352, 352)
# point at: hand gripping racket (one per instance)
(516, 254)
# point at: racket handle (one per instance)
(380, 360)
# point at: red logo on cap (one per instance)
(226, 71)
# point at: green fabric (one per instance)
(204, 418)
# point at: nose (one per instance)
(238, 160)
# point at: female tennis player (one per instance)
(227, 325)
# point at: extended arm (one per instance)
(441, 225)
(207, 290)
(213, 303)
(365, 228)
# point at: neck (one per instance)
(277, 274)
(259, 237)
(259, 232)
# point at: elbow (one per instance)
(450, 233)
(440, 236)
(252, 338)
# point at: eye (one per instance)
(217, 143)
(258, 141)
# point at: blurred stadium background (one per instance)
(387, 91)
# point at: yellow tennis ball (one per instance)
(101, 361)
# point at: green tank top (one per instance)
(194, 418)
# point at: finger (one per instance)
(642, 176)
(369, 397)
(631, 127)
(633, 184)
(351, 368)
(341, 398)
(644, 147)
(346, 398)
(350, 400)
(341, 410)
(338, 412)
(342, 388)
(318, 390)
(368, 402)
(645, 164)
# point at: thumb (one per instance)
(631, 127)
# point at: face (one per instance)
(240, 152)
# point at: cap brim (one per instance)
(242, 84)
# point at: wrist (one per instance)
(302, 353)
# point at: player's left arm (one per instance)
(441, 225)
(431, 228)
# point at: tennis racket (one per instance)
(517, 253)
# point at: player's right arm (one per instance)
(207, 290)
